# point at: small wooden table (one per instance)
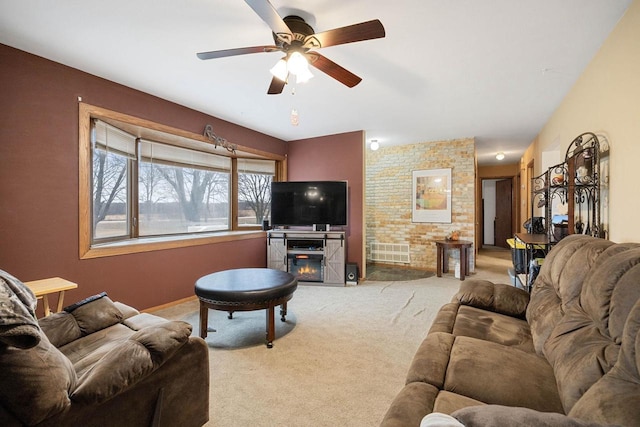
(443, 247)
(245, 289)
(42, 288)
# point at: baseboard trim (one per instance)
(169, 304)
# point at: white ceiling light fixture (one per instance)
(280, 70)
(304, 75)
(374, 145)
(500, 156)
(295, 64)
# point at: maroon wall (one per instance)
(337, 158)
(39, 186)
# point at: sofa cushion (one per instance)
(126, 310)
(96, 314)
(610, 293)
(496, 374)
(485, 371)
(497, 297)
(144, 351)
(585, 344)
(559, 283)
(36, 382)
(87, 350)
(494, 327)
(614, 398)
(61, 328)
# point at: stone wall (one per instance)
(389, 197)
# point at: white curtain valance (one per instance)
(267, 167)
(164, 153)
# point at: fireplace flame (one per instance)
(307, 270)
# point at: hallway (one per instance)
(495, 259)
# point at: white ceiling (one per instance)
(491, 69)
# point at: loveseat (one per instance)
(568, 354)
(97, 363)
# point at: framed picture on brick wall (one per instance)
(431, 195)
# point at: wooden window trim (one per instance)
(178, 137)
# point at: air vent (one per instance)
(389, 252)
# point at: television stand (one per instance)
(313, 257)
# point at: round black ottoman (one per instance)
(245, 289)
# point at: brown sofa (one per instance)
(568, 354)
(98, 363)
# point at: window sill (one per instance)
(149, 244)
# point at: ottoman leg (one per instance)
(271, 326)
(204, 320)
(283, 312)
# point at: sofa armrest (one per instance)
(131, 361)
(507, 416)
(496, 297)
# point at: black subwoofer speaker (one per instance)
(351, 273)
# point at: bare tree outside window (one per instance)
(182, 200)
(254, 197)
(109, 194)
(163, 187)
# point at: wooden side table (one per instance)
(42, 288)
(443, 247)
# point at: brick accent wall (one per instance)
(389, 197)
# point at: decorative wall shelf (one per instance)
(575, 183)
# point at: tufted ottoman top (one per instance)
(246, 285)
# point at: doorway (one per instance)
(504, 213)
(497, 212)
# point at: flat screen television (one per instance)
(305, 203)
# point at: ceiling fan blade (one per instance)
(238, 51)
(268, 13)
(276, 86)
(349, 34)
(332, 69)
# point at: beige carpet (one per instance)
(340, 358)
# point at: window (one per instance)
(181, 191)
(145, 186)
(254, 190)
(113, 151)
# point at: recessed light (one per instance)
(500, 156)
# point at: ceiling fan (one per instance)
(298, 41)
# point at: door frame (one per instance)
(515, 211)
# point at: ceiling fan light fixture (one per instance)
(304, 76)
(500, 156)
(280, 71)
(297, 63)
